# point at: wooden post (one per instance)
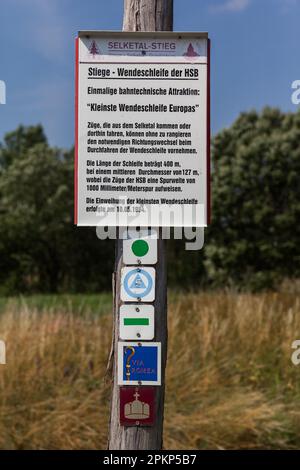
(148, 15)
(142, 15)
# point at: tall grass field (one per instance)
(230, 380)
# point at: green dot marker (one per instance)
(140, 248)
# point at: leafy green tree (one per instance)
(18, 142)
(40, 248)
(252, 242)
(33, 191)
(254, 238)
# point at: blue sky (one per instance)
(255, 56)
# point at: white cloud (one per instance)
(231, 6)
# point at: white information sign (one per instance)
(142, 129)
(137, 284)
(136, 322)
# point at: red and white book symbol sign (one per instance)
(137, 406)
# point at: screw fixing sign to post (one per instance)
(139, 363)
(138, 284)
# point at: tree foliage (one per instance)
(254, 238)
(40, 249)
(252, 242)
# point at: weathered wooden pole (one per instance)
(142, 15)
(148, 15)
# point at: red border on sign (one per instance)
(76, 131)
(208, 156)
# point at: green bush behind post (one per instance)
(40, 248)
(251, 244)
(253, 241)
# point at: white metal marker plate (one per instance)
(137, 322)
(138, 284)
(140, 247)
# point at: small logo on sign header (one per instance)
(93, 49)
(191, 51)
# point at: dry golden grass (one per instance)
(230, 380)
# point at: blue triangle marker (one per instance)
(138, 283)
